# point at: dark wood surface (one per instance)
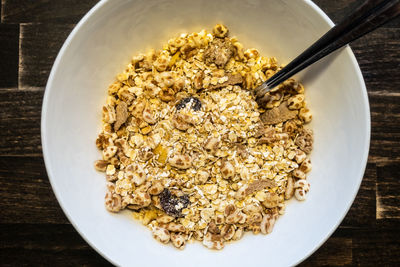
(33, 228)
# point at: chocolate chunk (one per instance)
(278, 114)
(194, 103)
(232, 80)
(258, 185)
(173, 205)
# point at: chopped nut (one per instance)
(113, 202)
(229, 210)
(198, 80)
(213, 241)
(198, 235)
(135, 173)
(109, 114)
(207, 213)
(148, 116)
(164, 219)
(267, 223)
(161, 234)
(212, 145)
(213, 228)
(156, 188)
(122, 115)
(236, 217)
(178, 240)
(180, 161)
(100, 165)
(272, 200)
(254, 218)
(141, 199)
(112, 178)
(289, 188)
(238, 234)
(202, 176)
(145, 154)
(227, 232)
(227, 169)
(182, 121)
(174, 227)
(219, 52)
(110, 170)
(109, 152)
(138, 107)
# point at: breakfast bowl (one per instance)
(103, 43)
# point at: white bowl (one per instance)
(102, 44)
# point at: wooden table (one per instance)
(35, 231)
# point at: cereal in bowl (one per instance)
(186, 147)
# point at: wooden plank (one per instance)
(363, 211)
(373, 246)
(336, 251)
(45, 245)
(385, 128)
(9, 38)
(378, 54)
(61, 11)
(26, 194)
(20, 124)
(376, 247)
(339, 9)
(387, 194)
(40, 44)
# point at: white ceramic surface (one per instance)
(103, 43)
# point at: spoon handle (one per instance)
(369, 16)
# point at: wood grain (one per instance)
(337, 251)
(339, 9)
(385, 128)
(26, 195)
(60, 11)
(383, 46)
(363, 211)
(387, 193)
(9, 38)
(376, 247)
(20, 122)
(45, 245)
(40, 44)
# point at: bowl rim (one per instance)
(45, 146)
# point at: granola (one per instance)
(186, 147)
